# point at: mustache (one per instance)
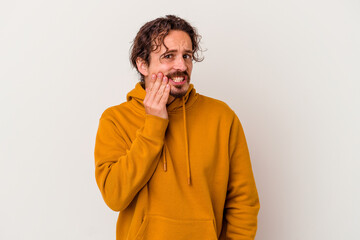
(177, 74)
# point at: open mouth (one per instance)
(178, 78)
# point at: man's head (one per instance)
(168, 45)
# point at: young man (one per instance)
(173, 162)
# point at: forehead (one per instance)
(176, 40)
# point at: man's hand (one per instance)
(157, 94)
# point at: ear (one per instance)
(142, 66)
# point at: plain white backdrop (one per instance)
(289, 69)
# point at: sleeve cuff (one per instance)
(155, 126)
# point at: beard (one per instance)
(178, 94)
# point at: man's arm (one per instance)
(242, 202)
(120, 172)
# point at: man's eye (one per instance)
(187, 56)
(168, 56)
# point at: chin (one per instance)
(179, 92)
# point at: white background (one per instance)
(289, 69)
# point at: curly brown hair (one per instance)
(152, 34)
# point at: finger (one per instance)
(160, 92)
(155, 87)
(165, 95)
(157, 81)
(149, 87)
(151, 82)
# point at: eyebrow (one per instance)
(174, 51)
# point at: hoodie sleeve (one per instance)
(242, 202)
(121, 172)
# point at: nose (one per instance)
(180, 64)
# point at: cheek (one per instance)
(161, 67)
(190, 65)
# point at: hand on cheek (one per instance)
(157, 94)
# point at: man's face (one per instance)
(174, 62)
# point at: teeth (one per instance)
(178, 79)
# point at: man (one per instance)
(173, 162)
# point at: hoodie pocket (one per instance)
(162, 228)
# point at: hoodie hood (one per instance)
(178, 106)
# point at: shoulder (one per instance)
(116, 111)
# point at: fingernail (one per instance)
(153, 76)
(159, 75)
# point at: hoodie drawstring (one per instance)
(164, 157)
(186, 144)
(186, 147)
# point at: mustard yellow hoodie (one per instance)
(186, 177)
